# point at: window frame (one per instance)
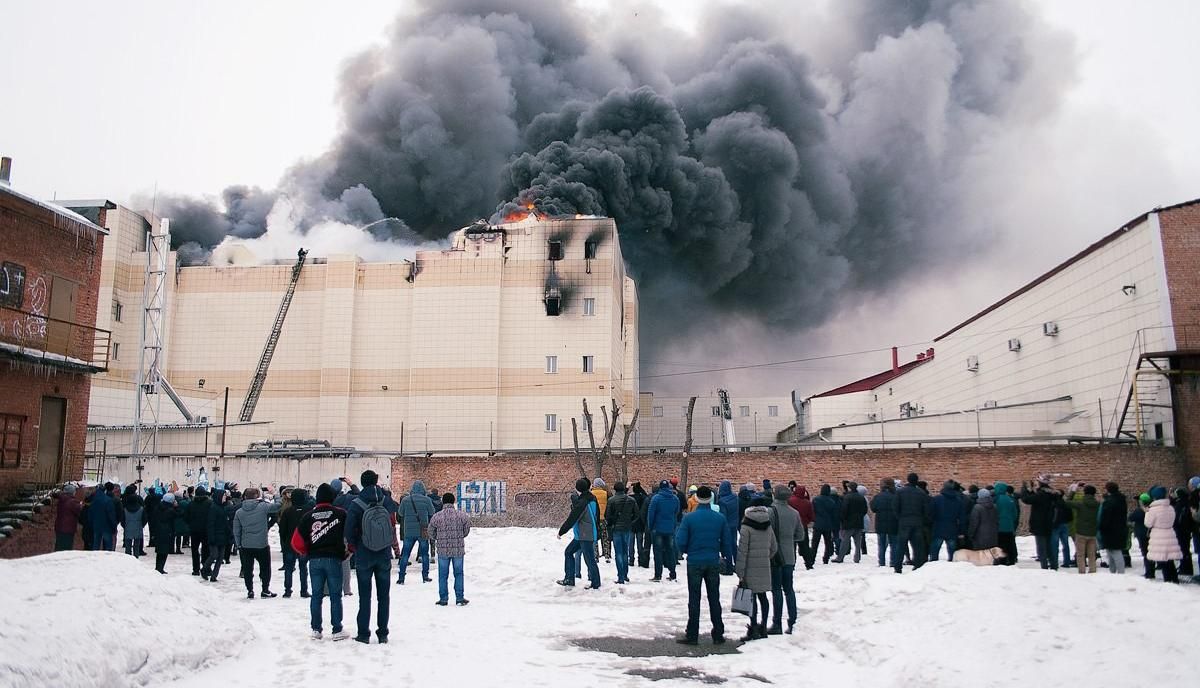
(551, 422)
(772, 411)
(589, 306)
(589, 365)
(744, 411)
(10, 448)
(551, 365)
(656, 412)
(554, 249)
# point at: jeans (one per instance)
(936, 546)
(199, 551)
(103, 542)
(589, 557)
(133, 547)
(729, 550)
(1046, 554)
(444, 565)
(782, 589)
(818, 537)
(760, 604)
(664, 553)
(422, 556)
(375, 566)
(64, 541)
(326, 575)
(262, 555)
(851, 535)
(211, 566)
(622, 539)
(882, 542)
(1060, 544)
(1085, 553)
(290, 559)
(710, 576)
(905, 536)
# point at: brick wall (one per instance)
(46, 245)
(1181, 252)
(1135, 468)
(1185, 394)
(34, 537)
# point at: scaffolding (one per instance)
(148, 402)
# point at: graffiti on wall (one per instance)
(483, 496)
(12, 285)
(27, 328)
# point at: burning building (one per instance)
(490, 344)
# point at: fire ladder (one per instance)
(264, 363)
(1148, 390)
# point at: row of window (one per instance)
(743, 411)
(555, 249)
(589, 364)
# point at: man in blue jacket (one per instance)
(660, 521)
(948, 521)
(827, 516)
(728, 502)
(585, 513)
(701, 536)
(103, 515)
(415, 511)
(372, 565)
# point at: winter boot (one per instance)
(776, 629)
(751, 633)
(687, 640)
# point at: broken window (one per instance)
(553, 301)
(589, 250)
(589, 364)
(589, 306)
(552, 364)
(556, 250)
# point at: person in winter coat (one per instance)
(826, 516)
(1062, 535)
(250, 526)
(912, 511)
(983, 527)
(1007, 513)
(183, 529)
(289, 519)
(104, 518)
(150, 504)
(1041, 503)
(320, 537)
(449, 527)
(745, 493)
(66, 518)
(1113, 528)
(802, 503)
(582, 522)
(604, 542)
(887, 523)
(639, 529)
(373, 551)
(198, 526)
(163, 531)
(661, 518)
(785, 522)
(728, 503)
(416, 509)
(758, 547)
(1185, 526)
(1138, 518)
(1164, 548)
(218, 531)
(620, 514)
(701, 536)
(133, 521)
(1086, 526)
(854, 509)
(946, 511)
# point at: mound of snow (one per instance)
(106, 619)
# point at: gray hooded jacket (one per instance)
(250, 524)
(416, 509)
(786, 521)
(756, 547)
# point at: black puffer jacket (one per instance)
(1114, 524)
(884, 506)
(912, 507)
(854, 508)
(1041, 509)
(198, 515)
(621, 513)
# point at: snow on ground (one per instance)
(945, 625)
(105, 619)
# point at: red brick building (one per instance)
(49, 345)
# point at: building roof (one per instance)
(871, 382)
(56, 209)
(1121, 231)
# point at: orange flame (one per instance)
(527, 209)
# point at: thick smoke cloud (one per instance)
(752, 176)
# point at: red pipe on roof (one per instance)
(895, 359)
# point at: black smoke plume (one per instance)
(768, 168)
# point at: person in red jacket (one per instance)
(802, 503)
(321, 536)
(66, 519)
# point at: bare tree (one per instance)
(587, 418)
(575, 438)
(625, 445)
(609, 430)
(687, 444)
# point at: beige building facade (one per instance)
(489, 345)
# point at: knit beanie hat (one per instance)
(664, 484)
(169, 498)
(325, 493)
(70, 488)
(1194, 483)
(862, 490)
(336, 486)
(598, 482)
(704, 494)
(1144, 498)
(985, 492)
(1158, 492)
(582, 485)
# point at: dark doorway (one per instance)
(51, 434)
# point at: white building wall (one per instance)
(753, 422)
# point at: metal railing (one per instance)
(50, 341)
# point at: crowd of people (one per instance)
(760, 535)
(340, 534)
(345, 533)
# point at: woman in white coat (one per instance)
(1164, 546)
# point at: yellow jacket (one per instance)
(601, 495)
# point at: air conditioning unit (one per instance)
(909, 409)
(872, 417)
(990, 403)
(973, 364)
(1014, 345)
(202, 420)
(1050, 329)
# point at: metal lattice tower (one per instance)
(149, 378)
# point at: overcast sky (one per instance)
(110, 99)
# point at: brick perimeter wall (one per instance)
(1133, 468)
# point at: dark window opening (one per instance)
(556, 250)
(589, 250)
(11, 428)
(553, 301)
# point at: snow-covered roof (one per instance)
(56, 209)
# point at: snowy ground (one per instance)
(102, 619)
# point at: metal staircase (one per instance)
(264, 363)
(1148, 391)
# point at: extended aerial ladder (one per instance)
(264, 362)
(727, 421)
